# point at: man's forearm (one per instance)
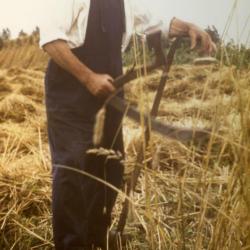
(98, 84)
(179, 28)
(60, 52)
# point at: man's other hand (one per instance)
(198, 36)
(100, 85)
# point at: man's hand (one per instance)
(197, 35)
(100, 85)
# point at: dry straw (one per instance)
(187, 197)
(99, 127)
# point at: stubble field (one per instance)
(188, 196)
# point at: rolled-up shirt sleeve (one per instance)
(146, 21)
(58, 20)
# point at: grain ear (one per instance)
(99, 126)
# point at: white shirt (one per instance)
(68, 20)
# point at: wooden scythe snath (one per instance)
(181, 134)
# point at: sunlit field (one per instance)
(188, 196)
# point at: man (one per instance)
(84, 38)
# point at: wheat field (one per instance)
(188, 196)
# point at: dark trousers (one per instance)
(82, 206)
